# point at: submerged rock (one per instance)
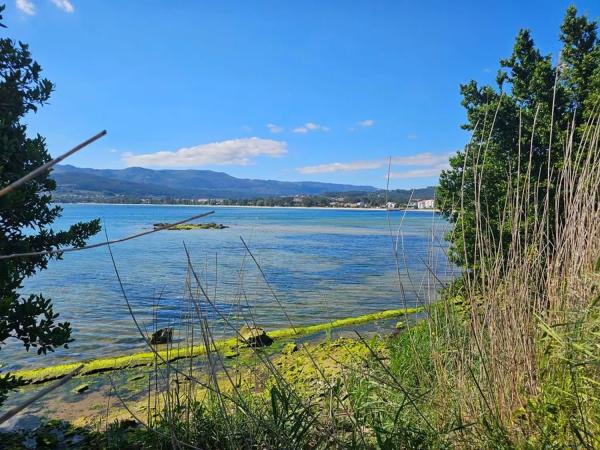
(255, 336)
(162, 336)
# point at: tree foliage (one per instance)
(27, 214)
(519, 128)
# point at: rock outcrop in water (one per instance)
(192, 226)
(162, 336)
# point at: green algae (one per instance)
(45, 374)
(288, 348)
(310, 329)
(313, 368)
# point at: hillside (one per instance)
(74, 182)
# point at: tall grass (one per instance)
(521, 312)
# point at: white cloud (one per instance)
(421, 159)
(310, 126)
(419, 173)
(65, 5)
(340, 167)
(113, 150)
(434, 161)
(26, 6)
(238, 152)
(412, 136)
(366, 123)
(274, 128)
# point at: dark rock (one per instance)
(162, 336)
(255, 336)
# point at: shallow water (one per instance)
(322, 264)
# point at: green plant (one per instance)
(26, 214)
(519, 132)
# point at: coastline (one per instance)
(252, 206)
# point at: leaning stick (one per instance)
(34, 173)
(101, 244)
(17, 409)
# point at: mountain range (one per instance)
(74, 182)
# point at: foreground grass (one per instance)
(376, 393)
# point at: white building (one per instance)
(390, 205)
(425, 204)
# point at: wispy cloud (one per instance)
(412, 136)
(340, 167)
(366, 123)
(65, 5)
(419, 173)
(428, 163)
(239, 152)
(274, 128)
(26, 6)
(310, 126)
(421, 159)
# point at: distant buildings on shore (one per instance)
(425, 204)
(298, 200)
(286, 201)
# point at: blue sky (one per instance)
(307, 90)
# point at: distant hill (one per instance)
(74, 182)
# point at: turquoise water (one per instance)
(322, 264)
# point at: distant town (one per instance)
(353, 200)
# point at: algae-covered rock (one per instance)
(191, 226)
(162, 336)
(81, 388)
(255, 336)
(289, 348)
